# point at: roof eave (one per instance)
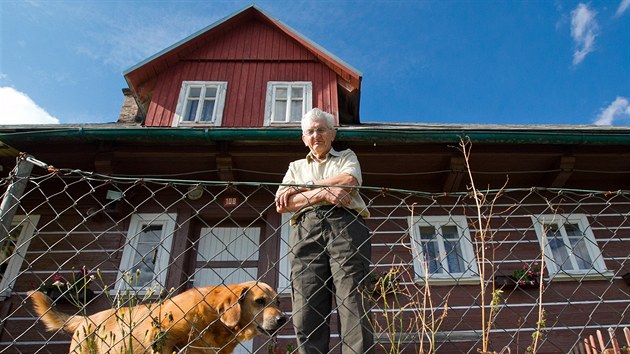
(573, 136)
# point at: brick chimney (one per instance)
(129, 111)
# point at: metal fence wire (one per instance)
(511, 270)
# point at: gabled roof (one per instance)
(139, 77)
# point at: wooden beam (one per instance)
(346, 85)
(566, 166)
(103, 163)
(225, 167)
(454, 179)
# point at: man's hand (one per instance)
(282, 201)
(294, 198)
(337, 196)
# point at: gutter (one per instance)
(389, 134)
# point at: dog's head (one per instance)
(252, 304)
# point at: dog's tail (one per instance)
(52, 319)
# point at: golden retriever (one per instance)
(212, 319)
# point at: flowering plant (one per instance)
(386, 282)
(76, 290)
(528, 274)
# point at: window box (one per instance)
(509, 282)
(504, 281)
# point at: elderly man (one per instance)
(329, 245)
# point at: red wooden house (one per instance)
(182, 188)
(251, 70)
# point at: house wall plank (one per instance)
(247, 58)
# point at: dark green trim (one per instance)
(572, 136)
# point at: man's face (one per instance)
(318, 138)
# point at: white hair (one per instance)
(317, 114)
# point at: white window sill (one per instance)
(284, 124)
(196, 124)
(449, 281)
(562, 277)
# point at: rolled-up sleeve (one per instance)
(288, 179)
(350, 165)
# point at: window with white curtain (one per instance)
(145, 258)
(286, 102)
(570, 245)
(442, 248)
(200, 103)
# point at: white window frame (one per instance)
(598, 268)
(29, 226)
(284, 274)
(167, 221)
(469, 275)
(271, 116)
(217, 114)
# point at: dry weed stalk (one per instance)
(395, 300)
(541, 322)
(430, 326)
(124, 302)
(417, 299)
(484, 212)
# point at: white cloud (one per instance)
(584, 29)
(17, 108)
(619, 109)
(623, 6)
(122, 41)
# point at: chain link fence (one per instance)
(507, 270)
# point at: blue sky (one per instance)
(468, 62)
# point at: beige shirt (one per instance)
(336, 163)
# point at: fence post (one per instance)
(18, 179)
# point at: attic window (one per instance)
(287, 102)
(200, 103)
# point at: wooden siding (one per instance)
(64, 231)
(69, 237)
(246, 57)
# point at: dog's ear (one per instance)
(230, 308)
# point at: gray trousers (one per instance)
(329, 253)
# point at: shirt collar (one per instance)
(332, 152)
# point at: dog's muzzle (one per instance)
(277, 322)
